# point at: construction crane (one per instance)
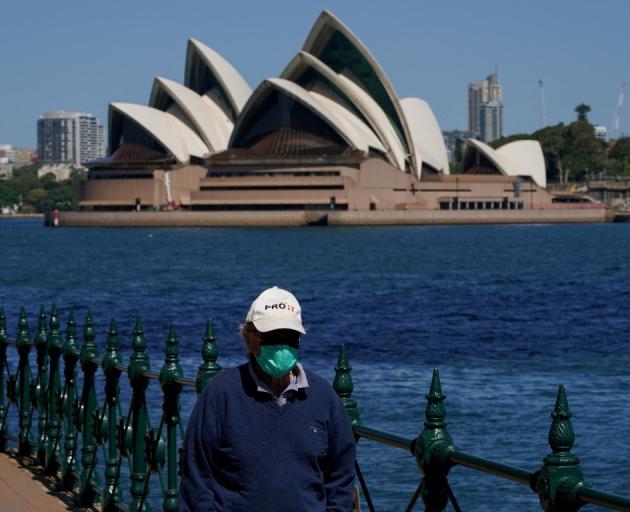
(543, 108)
(617, 122)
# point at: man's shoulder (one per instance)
(318, 383)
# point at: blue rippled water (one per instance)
(507, 313)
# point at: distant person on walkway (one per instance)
(269, 435)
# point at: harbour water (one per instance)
(507, 313)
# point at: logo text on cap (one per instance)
(280, 305)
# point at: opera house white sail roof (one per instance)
(426, 136)
(206, 117)
(171, 133)
(186, 121)
(351, 129)
(209, 73)
(336, 45)
(518, 158)
(304, 64)
(343, 84)
(334, 82)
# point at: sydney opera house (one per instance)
(329, 133)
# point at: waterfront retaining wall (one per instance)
(466, 217)
(331, 218)
(186, 219)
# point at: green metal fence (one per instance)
(62, 427)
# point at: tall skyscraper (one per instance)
(491, 121)
(69, 138)
(485, 108)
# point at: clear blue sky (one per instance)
(81, 55)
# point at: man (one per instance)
(269, 435)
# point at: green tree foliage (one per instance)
(510, 138)
(582, 110)
(8, 196)
(584, 153)
(619, 157)
(41, 194)
(573, 153)
(552, 141)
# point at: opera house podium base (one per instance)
(326, 218)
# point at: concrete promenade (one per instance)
(23, 491)
(328, 218)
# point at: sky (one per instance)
(82, 55)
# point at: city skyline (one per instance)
(426, 49)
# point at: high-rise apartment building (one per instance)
(491, 121)
(485, 108)
(72, 138)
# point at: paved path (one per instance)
(22, 491)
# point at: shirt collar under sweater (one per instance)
(298, 381)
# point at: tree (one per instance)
(41, 194)
(510, 138)
(552, 141)
(582, 110)
(620, 149)
(571, 152)
(584, 153)
(619, 157)
(8, 196)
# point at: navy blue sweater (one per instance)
(243, 452)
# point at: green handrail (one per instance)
(169, 374)
(53, 426)
(85, 412)
(4, 342)
(559, 482)
(39, 387)
(70, 465)
(24, 344)
(70, 423)
(106, 422)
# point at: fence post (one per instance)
(23, 345)
(4, 342)
(210, 353)
(89, 365)
(171, 390)
(54, 429)
(138, 363)
(343, 386)
(67, 404)
(111, 363)
(432, 448)
(561, 476)
(39, 389)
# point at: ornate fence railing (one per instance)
(60, 426)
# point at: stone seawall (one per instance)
(185, 219)
(323, 218)
(355, 218)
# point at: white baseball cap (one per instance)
(276, 308)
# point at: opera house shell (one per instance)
(521, 158)
(329, 133)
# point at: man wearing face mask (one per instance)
(268, 435)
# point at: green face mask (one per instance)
(277, 360)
